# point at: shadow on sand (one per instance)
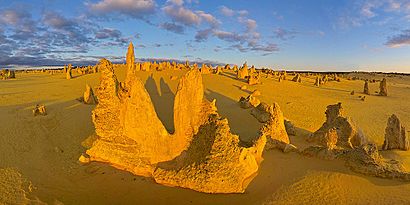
(163, 101)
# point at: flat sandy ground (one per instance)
(39, 155)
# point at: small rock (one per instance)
(84, 159)
(58, 150)
(39, 110)
(249, 102)
(256, 93)
(88, 97)
(290, 148)
(290, 128)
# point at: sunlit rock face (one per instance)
(348, 134)
(243, 72)
(68, 72)
(130, 58)
(275, 126)
(202, 154)
(395, 135)
(88, 97)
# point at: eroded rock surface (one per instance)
(39, 110)
(68, 72)
(88, 97)
(275, 126)
(130, 58)
(214, 163)
(249, 102)
(261, 112)
(383, 87)
(243, 72)
(367, 160)
(395, 135)
(366, 88)
(202, 154)
(348, 134)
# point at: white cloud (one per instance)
(182, 15)
(249, 23)
(132, 8)
(177, 12)
(176, 2)
(226, 11)
(243, 12)
(208, 18)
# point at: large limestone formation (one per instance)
(297, 78)
(261, 112)
(202, 154)
(7, 74)
(214, 163)
(243, 72)
(383, 87)
(130, 58)
(366, 88)
(68, 72)
(275, 129)
(347, 133)
(249, 102)
(11, 74)
(395, 135)
(317, 81)
(254, 78)
(88, 97)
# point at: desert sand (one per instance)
(39, 155)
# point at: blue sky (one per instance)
(321, 35)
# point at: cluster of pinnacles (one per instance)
(7, 74)
(202, 154)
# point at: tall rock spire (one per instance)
(130, 57)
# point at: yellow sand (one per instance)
(44, 150)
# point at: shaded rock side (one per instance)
(290, 128)
(248, 102)
(262, 112)
(367, 160)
